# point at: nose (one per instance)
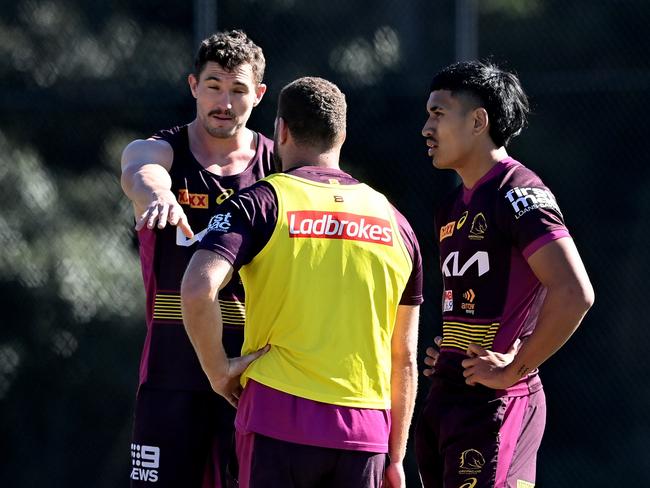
(427, 130)
(224, 101)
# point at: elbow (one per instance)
(584, 294)
(589, 296)
(405, 360)
(580, 296)
(126, 181)
(193, 291)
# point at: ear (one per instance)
(282, 130)
(194, 83)
(481, 120)
(259, 93)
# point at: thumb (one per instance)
(438, 341)
(514, 348)
(244, 361)
(474, 350)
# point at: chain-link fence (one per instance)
(79, 80)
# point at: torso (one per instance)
(169, 359)
(491, 296)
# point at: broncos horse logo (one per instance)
(471, 461)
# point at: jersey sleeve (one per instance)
(244, 225)
(529, 212)
(412, 294)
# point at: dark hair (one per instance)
(314, 110)
(230, 49)
(497, 91)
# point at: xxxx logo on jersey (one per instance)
(194, 200)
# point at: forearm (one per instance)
(143, 184)
(205, 275)
(204, 328)
(562, 311)
(403, 393)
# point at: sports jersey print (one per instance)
(252, 214)
(491, 296)
(168, 359)
(253, 217)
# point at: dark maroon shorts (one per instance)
(182, 438)
(265, 462)
(475, 437)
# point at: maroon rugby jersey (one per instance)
(491, 296)
(168, 358)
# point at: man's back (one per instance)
(325, 290)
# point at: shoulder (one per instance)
(259, 196)
(265, 154)
(265, 142)
(522, 190)
(407, 233)
(403, 223)
(518, 175)
(148, 151)
(171, 135)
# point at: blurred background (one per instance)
(79, 79)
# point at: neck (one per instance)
(479, 165)
(215, 149)
(328, 159)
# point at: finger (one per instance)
(515, 347)
(428, 372)
(153, 214)
(438, 341)
(184, 226)
(175, 213)
(469, 371)
(162, 216)
(469, 363)
(430, 361)
(232, 400)
(474, 350)
(431, 352)
(139, 223)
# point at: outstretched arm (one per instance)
(569, 296)
(146, 181)
(205, 275)
(403, 390)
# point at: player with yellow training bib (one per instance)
(333, 277)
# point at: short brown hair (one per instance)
(230, 49)
(314, 110)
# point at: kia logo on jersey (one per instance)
(479, 258)
(339, 225)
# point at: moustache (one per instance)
(227, 113)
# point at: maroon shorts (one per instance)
(265, 462)
(474, 437)
(181, 438)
